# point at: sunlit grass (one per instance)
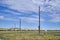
(29, 35)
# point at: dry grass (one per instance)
(29, 35)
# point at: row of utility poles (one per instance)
(14, 26)
(38, 21)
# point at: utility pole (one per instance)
(39, 21)
(14, 27)
(20, 24)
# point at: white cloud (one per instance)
(10, 19)
(4, 18)
(52, 6)
(37, 16)
(31, 19)
(12, 12)
(1, 17)
(21, 5)
(31, 5)
(55, 18)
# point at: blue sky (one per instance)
(11, 11)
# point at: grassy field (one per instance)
(30, 35)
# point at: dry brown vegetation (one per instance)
(30, 35)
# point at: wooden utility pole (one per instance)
(20, 24)
(39, 21)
